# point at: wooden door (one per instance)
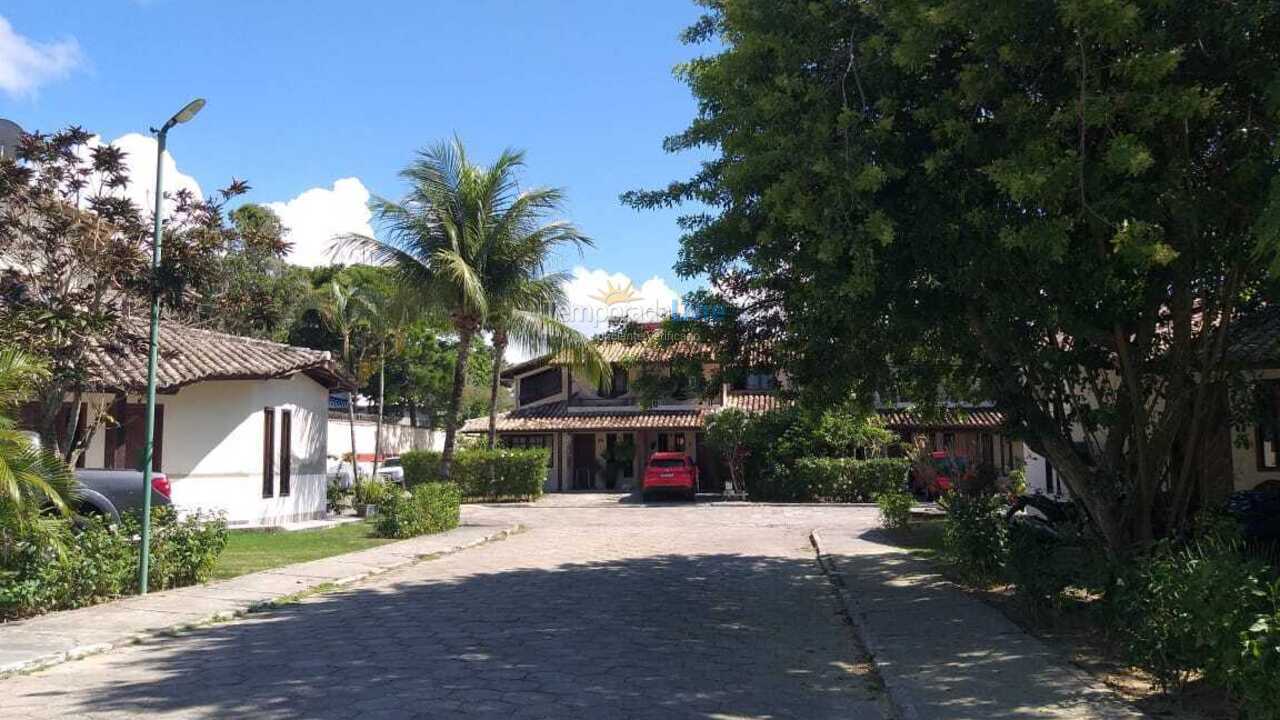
(584, 462)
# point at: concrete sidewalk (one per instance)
(39, 642)
(945, 654)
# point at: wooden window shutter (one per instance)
(286, 456)
(268, 451)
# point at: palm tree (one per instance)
(30, 477)
(525, 307)
(343, 310)
(446, 238)
(389, 316)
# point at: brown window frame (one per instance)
(1268, 421)
(286, 451)
(541, 385)
(268, 452)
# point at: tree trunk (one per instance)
(499, 349)
(382, 394)
(351, 422)
(466, 331)
(351, 408)
(70, 452)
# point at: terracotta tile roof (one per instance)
(1255, 338)
(646, 350)
(555, 417)
(756, 401)
(958, 418)
(189, 355)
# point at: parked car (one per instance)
(111, 493)
(391, 470)
(670, 472)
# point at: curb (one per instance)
(899, 698)
(24, 667)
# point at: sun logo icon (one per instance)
(617, 294)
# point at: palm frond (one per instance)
(544, 332)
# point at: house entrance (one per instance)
(584, 462)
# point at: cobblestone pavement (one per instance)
(603, 609)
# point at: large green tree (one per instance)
(75, 264)
(1060, 204)
(253, 291)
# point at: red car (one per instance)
(670, 471)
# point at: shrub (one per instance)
(483, 474)
(183, 552)
(501, 474)
(334, 496)
(1192, 608)
(420, 466)
(975, 535)
(52, 566)
(895, 509)
(847, 479)
(1017, 484)
(372, 492)
(1257, 681)
(1039, 564)
(428, 508)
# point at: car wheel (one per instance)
(691, 495)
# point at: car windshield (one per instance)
(392, 462)
(668, 463)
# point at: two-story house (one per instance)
(600, 438)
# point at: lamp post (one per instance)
(182, 116)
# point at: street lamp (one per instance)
(182, 116)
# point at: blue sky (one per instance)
(304, 93)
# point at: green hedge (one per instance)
(482, 474)
(429, 508)
(420, 466)
(821, 479)
(49, 566)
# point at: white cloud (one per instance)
(318, 214)
(597, 295)
(140, 167)
(140, 158)
(26, 65)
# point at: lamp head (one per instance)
(186, 113)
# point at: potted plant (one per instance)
(368, 495)
(618, 456)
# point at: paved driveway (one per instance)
(602, 609)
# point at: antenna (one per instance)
(10, 136)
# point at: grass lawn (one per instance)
(253, 550)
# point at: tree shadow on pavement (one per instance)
(669, 636)
(952, 654)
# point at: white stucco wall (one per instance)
(212, 452)
(396, 437)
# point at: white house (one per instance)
(241, 424)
